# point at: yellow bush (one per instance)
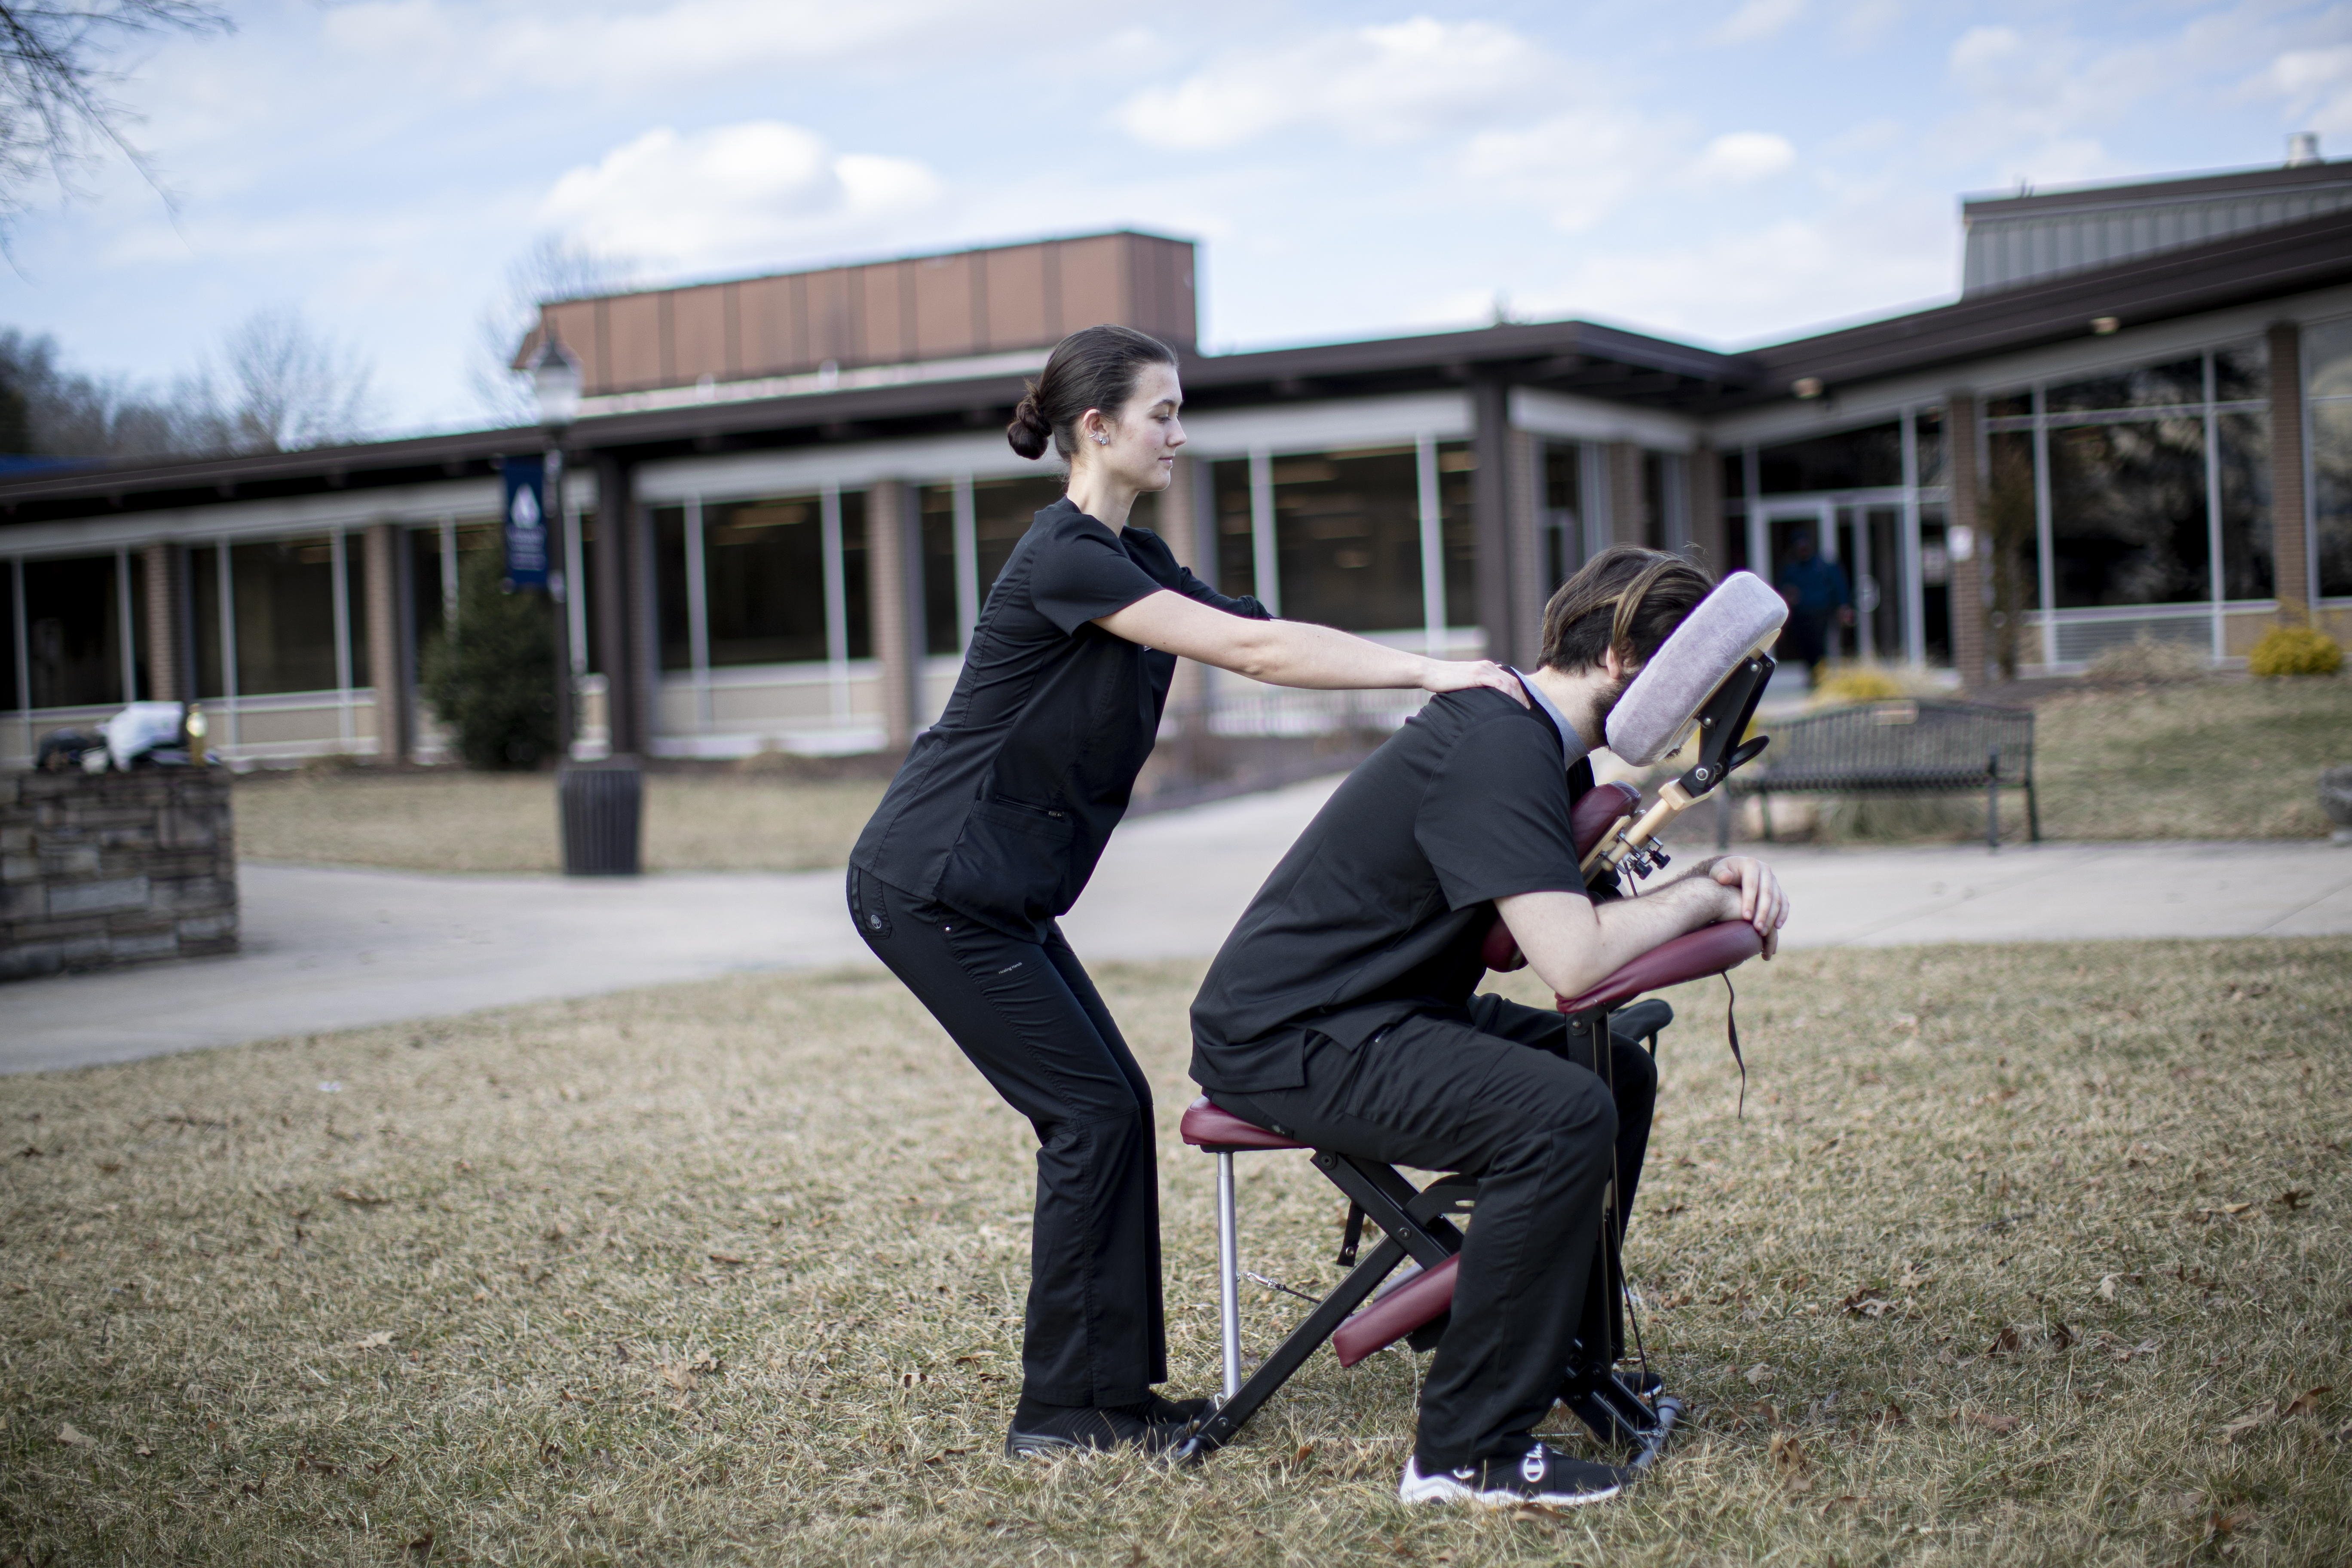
(2295, 650)
(1856, 683)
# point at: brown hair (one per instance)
(1626, 598)
(1093, 368)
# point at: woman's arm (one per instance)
(1292, 653)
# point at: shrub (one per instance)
(2288, 649)
(494, 682)
(2149, 659)
(1858, 683)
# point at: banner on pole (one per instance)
(526, 522)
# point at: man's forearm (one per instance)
(1572, 946)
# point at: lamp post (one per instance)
(555, 382)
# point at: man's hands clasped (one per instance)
(1759, 900)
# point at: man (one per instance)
(1819, 600)
(1341, 1010)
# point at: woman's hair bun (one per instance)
(1029, 432)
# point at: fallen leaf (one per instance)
(558, 1231)
(144, 1451)
(110, 1166)
(2107, 1286)
(374, 1342)
(1892, 1415)
(2064, 1338)
(2307, 1401)
(1866, 1302)
(2292, 1198)
(364, 1200)
(2237, 1519)
(2001, 1423)
(1679, 1299)
(2260, 1416)
(724, 1258)
(678, 1375)
(305, 1464)
(2006, 1342)
(73, 1440)
(1788, 1461)
(1756, 1374)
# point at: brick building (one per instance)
(789, 495)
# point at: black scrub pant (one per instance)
(1486, 1091)
(1031, 1021)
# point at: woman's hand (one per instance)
(1449, 675)
(1762, 904)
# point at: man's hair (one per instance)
(1626, 598)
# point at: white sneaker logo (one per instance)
(1532, 1467)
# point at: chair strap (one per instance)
(1353, 1235)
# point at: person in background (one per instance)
(992, 829)
(1819, 602)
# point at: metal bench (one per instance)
(1905, 747)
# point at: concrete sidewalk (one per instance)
(342, 949)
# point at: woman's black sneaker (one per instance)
(1039, 1430)
(1539, 1476)
(1191, 1412)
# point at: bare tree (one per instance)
(280, 387)
(552, 268)
(56, 85)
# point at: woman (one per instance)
(993, 825)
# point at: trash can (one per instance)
(603, 806)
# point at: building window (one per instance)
(1457, 467)
(763, 564)
(936, 505)
(1563, 529)
(1347, 539)
(73, 625)
(2156, 492)
(1868, 458)
(673, 606)
(1929, 424)
(858, 602)
(1236, 566)
(1002, 511)
(12, 695)
(284, 595)
(2328, 393)
(2127, 513)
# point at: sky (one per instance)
(1728, 171)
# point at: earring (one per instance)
(1101, 440)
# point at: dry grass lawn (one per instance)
(2215, 759)
(455, 821)
(2018, 1254)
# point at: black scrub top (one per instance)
(1382, 908)
(1004, 804)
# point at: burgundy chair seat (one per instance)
(1207, 1127)
(1694, 955)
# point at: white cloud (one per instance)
(2318, 87)
(1743, 157)
(1371, 84)
(1577, 168)
(1756, 20)
(748, 193)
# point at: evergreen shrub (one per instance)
(491, 678)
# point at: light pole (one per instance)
(555, 382)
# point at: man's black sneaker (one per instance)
(1539, 1477)
(1039, 1430)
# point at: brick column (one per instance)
(894, 565)
(1628, 512)
(2290, 547)
(1706, 493)
(1966, 590)
(1523, 515)
(380, 553)
(164, 683)
(1490, 520)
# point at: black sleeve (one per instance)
(1494, 820)
(1084, 576)
(1246, 606)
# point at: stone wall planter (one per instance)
(107, 868)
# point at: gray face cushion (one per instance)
(1728, 624)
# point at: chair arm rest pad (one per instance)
(1710, 950)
